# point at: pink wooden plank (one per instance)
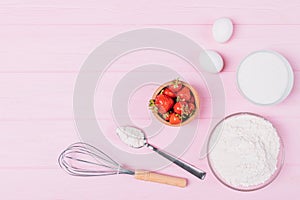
(50, 95)
(54, 184)
(68, 46)
(145, 12)
(36, 144)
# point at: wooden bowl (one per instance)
(188, 120)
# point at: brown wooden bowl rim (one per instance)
(197, 103)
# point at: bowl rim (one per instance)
(280, 157)
(196, 98)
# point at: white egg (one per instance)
(222, 30)
(211, 61)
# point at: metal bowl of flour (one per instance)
(245, 152)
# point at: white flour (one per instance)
(246, 151)
(131, 136)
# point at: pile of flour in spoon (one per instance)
(246, 150)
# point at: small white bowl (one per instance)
(265, 77)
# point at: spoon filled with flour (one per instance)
(136, 138)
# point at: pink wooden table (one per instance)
(42, 47)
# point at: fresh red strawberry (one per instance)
(163, 103)
(184, 94)
(175, 118)
(180, 107)
(169, 93)
(176, 86)
(192, 100)
(166, 116)
(191, 108)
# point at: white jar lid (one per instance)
(265, 77)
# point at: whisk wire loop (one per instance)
(81, 159)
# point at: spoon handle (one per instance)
(184, 165)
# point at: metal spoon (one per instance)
(136, 138)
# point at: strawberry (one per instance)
(169, 93)
(180, 107)
(166, 116)
(192, 100)
(191, 108)
(184, 94)
(175, 118)
(163, 103)
(176, 86)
